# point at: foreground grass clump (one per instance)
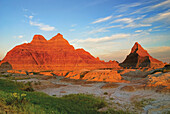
(14, 100)
(142, 103)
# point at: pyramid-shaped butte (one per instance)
(53, 54)
(139, 57)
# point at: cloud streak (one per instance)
(103, 29)
(124, 20)
(42, 26)
(125, 7)
(159, 17)
(102, 20)
(102, 39)
(163, 5)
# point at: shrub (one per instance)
(113, 111)
(105, 93)
(142, 103)
(16, 99)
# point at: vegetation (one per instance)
(105, 93)
(17, 97)
(112, 111)
(14, 99)
(142, 103)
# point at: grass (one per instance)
(17, 97)
(112, 111)
(142, 103)
(37, 102)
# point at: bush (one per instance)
(105, 93)
(142, 103)
(16, 99)
(112, 111)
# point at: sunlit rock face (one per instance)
(53, 54)
(139, 57)
(103, 75)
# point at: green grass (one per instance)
(41, 103)
(142, 103)
(112, 111)
(38, 102)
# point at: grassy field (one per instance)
(17, 97)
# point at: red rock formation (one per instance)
(95, 75)
(53, 54)
(103, 75)
(139, 57)
(5, 66)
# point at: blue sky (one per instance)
(106, 28)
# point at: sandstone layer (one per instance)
(5, 66)
(139, 57)
(103, 75)
(53, 54)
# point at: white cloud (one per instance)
(102, 19)
(125, 7)
(138, 30)
(25, 42)
(124, 20)
(132, 22)
(103, 29)
(102, 39)
(20, 36)
(42, 26)
(135, 25)
(159, 17)
(30, 17)
(163, 5)
(118, 16)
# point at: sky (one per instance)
(106, 28)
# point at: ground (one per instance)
(133, 95)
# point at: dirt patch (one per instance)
(84, 85)
(46, 84)
(128, 88)
(110, 85)
(77, 82)
(63, 92)
(46, 77)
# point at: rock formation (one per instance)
(103, 75)
(139, 57)
(96, 75)
(5, 66)
(160, 80)
(53, 54)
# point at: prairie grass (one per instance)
(15, 98)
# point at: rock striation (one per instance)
(53, 54)
(103, 75)
(5, 66)
(139, 57)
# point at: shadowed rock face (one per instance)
(53, 54)
(5, 66)
(139, 57)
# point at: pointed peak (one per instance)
(58, 36)
(38, 38)
(137, 48)
(136, 43)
